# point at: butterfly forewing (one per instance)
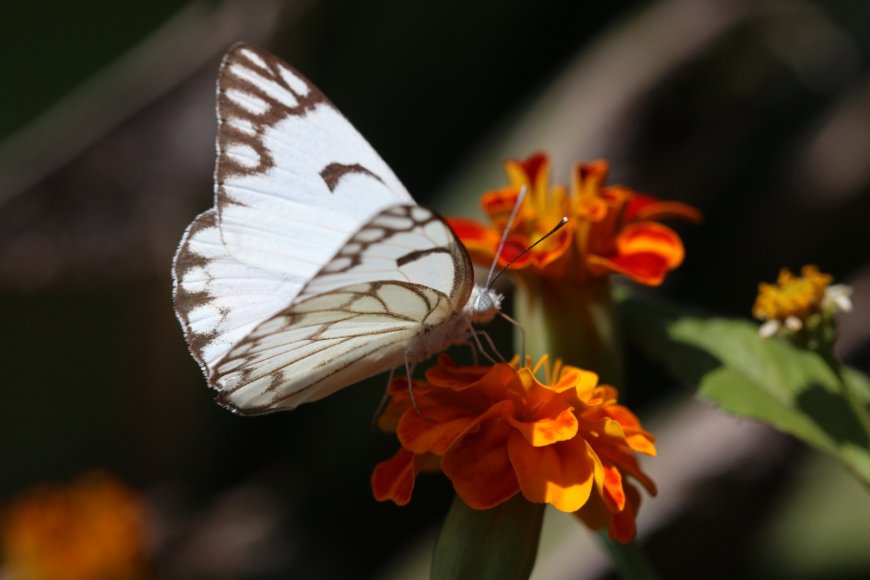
(218, 299)
(294, 179)
(405, 243)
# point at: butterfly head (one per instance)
(483, 305)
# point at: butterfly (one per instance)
(315, 268)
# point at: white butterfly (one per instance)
(315, 268)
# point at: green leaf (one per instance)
(770, 380)
(498, 543)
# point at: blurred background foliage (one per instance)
(757, 112)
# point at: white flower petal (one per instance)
(838, 298)
(769, 328)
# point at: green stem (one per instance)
(629, 560)
(500, 543)
(575, 323)
(859, 407)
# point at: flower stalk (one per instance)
(629, 559)
(855, 402)
(575, 323)
(511, 531)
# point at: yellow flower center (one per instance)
(797, 296)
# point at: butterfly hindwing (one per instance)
(324, 343)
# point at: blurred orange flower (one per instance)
(496, 431)
(611, 229)
(92, 528)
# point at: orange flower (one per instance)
(610, 229)
(93, 528)
(496, 431)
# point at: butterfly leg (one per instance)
(383, 404)
(522, 330)
(409, 368)
(475, 357)
(473, 334)
(491, 344)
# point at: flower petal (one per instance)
(547, 430)
(480, 240)
(588, 179)
(499, 203)
(645, 252)
(433, 428)
(559, 474)
(496, 380)
(622, 458)
(478, 464)
(393, 479)
(594, 513)
(622, 526)
(614, 492)
(646, 207)
(533, 172)
(651, 238)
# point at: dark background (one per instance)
(757, 112)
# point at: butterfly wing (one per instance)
(218, 299)
(293, 181)
(400, 276)
(324, 343)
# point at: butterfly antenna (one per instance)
(559, 225)
(504, 235)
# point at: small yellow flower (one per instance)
(796, 302)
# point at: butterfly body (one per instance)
(315, 269)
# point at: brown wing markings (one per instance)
(332, 173)
(464, 273)
(277, 380)
(350, 255)
(275, 110)
(277, 376)
(186, 301)
(417, 254)
(463, 280)
(245, 374)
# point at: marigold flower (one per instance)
(92, 528)
(800, 302)
(611, 229)
(498, 430)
